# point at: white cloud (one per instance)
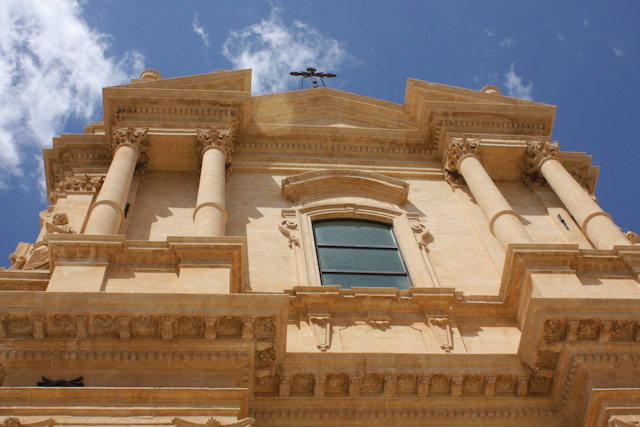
(617, 50)
(273, 49)
(515, 87)
(52, 68)
(508, 42)
(561, 37)
(585, 22)
(489, 33)
(199, 30)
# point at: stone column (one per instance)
(210, 216)
(504, 222)
(129, 150)
(594, 222)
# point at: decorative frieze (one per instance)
(84, 326)
(74, 184)
(212, 422)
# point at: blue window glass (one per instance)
(359, 253)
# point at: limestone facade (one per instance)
(177, 268)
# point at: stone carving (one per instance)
(15, 422)
(536, 152)
(166, 329)
(19, 257)
(588, 329)
(210, 327)
(247, 328)
(38, 327)
(61, 324)
(505, 384)
(439, 384)
(135, 137)
(229, 326)
(211, 138)
(632, 237)
(319, 386)
(267, 383)
(441, 331)
(267, 355)
(321, 328)
(337, 383)
(284, 390)
(490, 385)
(406, 383)
(523, 385)
(572, 329)
(617, 422)
(103, 325)
(553, 329)
(302, 383)
(38, 258)
(189, 325)
(540, 381)
(354, 385)
(287, 227)
(456, 385)
(82, 327)
(212, 422)
(459, 148)
(74, 184)
(19, 324)
(371, 383)
(423, 385)
(3, 373)
(389, 385)
(265, 326)
(124, 327)
(145, 325)
(622, 330)
(472, 383)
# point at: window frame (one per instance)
(395, 247)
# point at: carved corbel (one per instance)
(441, 330)
(167, 328)
(288, 227)
(15, 422)
(212, 422)
(136, 137)
(284, 390)
(376, 307)
(319, 321)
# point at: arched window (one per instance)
(358, 253)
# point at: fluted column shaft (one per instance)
(504, 222)
(107, 213)
(595, 223)
(210, 215)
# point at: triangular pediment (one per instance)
(329, 107)
(237, 81)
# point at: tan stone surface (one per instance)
(206, 299)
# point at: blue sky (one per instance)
(582, 56)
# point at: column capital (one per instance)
(537, 153)
(458, 149)
(133, 137)
(215, 138)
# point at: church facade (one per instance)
(319, 258)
